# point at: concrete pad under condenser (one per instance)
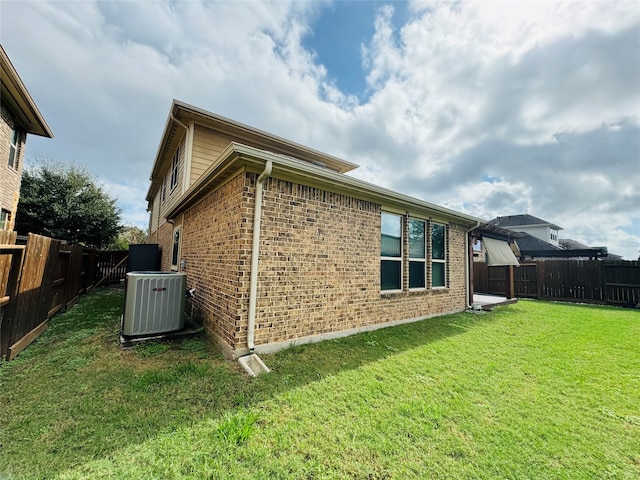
(253, 365)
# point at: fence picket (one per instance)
(40, 279)
(591, 281)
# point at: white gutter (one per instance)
(255, 255)
(466, 262)
(173, 117)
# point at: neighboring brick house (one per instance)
(335, 255)
(20, 116)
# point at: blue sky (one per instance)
(491, 108)
(336, 37)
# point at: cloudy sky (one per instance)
(489, 108)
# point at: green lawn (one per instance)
(529, 391)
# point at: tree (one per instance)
(66, 203)
(127, 236)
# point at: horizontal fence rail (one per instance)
(42, 277)
(588, 281)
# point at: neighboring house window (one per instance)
(13, 149)
(5, 217)
(175, 250)
(174, 170)
(554, 234)
(438, 255)
(163, 191)
(391, 252)
(417, 254)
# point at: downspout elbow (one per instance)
(255, 255)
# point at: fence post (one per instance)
(510, 283)
(603, 276)
(8, 309)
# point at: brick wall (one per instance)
(216, 244)
(319, 264)
(164, 237)
(9, 177)
(320, 267)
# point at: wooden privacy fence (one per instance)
(590, 281)
(41, 279)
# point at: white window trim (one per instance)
(175, 267)
(439, 260)
(13, 149)
(174, 171)
(395, 259)
(419, 259)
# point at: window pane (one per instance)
(176, 244)
(416, 275)
(437, 241)
(416, 239)
(437, 274)
(12, 156)
(390, 275)
(391, 235)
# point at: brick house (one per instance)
(20, 116)
(282, 247)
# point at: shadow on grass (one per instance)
(75, 396)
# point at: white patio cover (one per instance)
(499, 252)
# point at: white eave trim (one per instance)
(317, 176)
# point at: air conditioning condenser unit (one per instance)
(154, 303)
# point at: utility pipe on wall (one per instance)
(468, 265)
(255, 254)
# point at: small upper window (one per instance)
(5, 219)
(174, 170)
(175, 250)
(13, 149)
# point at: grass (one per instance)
(533, 390)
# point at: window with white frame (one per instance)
(391, 252)
(175, 249)
(5, 217)
(417, 253)
(438, 255)
(13, 149)
(174, 170)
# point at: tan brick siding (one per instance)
(320, 267)
(216, 244)
(319, 264)
(9, 176)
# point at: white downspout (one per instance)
(466, 263)
(255, 255)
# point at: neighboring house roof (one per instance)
(16, 97)
(528, 242)
(569, 244)
(524, 220)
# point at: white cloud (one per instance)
(543, 100)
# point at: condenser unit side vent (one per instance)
(154, 303)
